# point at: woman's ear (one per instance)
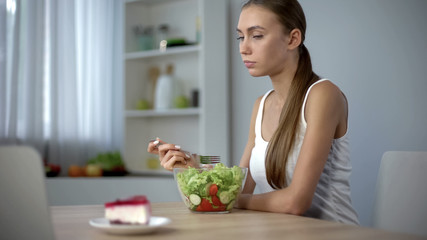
(294, 39)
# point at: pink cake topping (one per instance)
(135, 200)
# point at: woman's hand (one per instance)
(153, 146)
(171, 156)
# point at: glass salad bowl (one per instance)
(210, 190)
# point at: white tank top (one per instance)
(331, 199)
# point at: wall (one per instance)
(376, 52)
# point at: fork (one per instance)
(202, 158)
(209, 159)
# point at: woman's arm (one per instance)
(326, 109)
(244, 161)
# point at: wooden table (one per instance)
(72, 222)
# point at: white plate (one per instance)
(104, 225)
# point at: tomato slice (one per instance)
(213, 190)
(216, 201)
(205, 206)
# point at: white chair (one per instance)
(401, 198)
(24, 212)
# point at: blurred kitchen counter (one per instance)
(98, 190)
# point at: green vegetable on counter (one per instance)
(108, 161)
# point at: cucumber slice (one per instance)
(195, 199)
(187, 202)
(225, 197)
(230, 205)
(207, 188)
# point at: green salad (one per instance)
(211, 190)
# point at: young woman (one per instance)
(297, 151)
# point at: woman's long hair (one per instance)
(291, 16)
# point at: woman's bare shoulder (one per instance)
(326, 99)
(326, 86)
(326, 91)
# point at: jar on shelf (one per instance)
(162, 36)
(144, 37)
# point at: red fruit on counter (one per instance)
(52, 170)
(76, 171)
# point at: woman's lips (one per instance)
(249, 64)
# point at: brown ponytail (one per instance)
(291, 16)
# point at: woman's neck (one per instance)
(282, 81)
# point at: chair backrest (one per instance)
(24, 211)
(401, 198)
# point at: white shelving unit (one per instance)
(202, 66)
(168, 113)
(157, 53)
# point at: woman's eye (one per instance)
(239, 38)
(258, 36)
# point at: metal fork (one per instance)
(202, 159)
(209, 159)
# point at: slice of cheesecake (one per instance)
(134, 210)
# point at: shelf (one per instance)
(163, 113)
(156, 52)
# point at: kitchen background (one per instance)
(374, 50)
